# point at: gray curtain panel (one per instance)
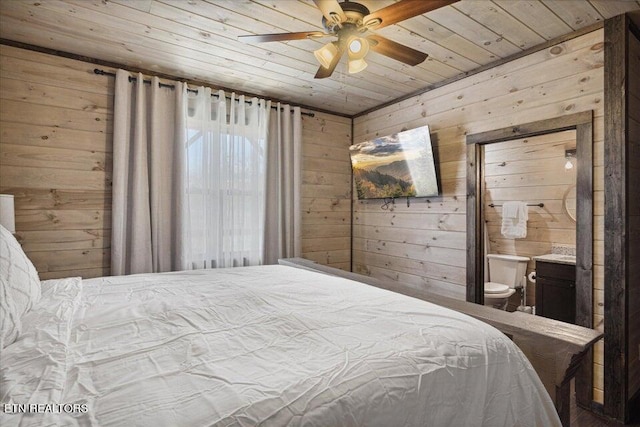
(148, 174)
(283, 218)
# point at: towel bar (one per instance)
(540, 205)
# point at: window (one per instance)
(226, 173)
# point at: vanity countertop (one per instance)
(557, 258)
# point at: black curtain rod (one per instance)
(134, 79)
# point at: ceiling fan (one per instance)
(352, 24)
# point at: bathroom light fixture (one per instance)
(569, 155)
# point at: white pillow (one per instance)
(34, 368)
(19, 287)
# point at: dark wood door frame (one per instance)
(582, 123)
(621, 243)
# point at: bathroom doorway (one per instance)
(582, 124)
(539, 172)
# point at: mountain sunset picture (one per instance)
(398, 165)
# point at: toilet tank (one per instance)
(507, 269)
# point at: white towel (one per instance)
(514, 220)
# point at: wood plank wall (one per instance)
(326, 190)
(530, 170)
(55, 157)
(424, 244)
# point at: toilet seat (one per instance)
(495, 288)
(504, 295)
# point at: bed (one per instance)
(247, 346)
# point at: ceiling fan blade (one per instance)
(402, 10)
(326, 72)
(279, 37)
(331, 10)
(396, 51)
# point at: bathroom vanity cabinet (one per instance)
(556, 290)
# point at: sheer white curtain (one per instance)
(284, 179)
(148, 168)
(225, 181)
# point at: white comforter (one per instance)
(271, 346)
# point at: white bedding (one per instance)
(272, 346)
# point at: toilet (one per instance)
(506, 273)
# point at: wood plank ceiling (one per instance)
(197, 40)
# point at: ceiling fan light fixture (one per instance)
(358, 47)
(355, 46)
(326, 54)
(356, 65)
